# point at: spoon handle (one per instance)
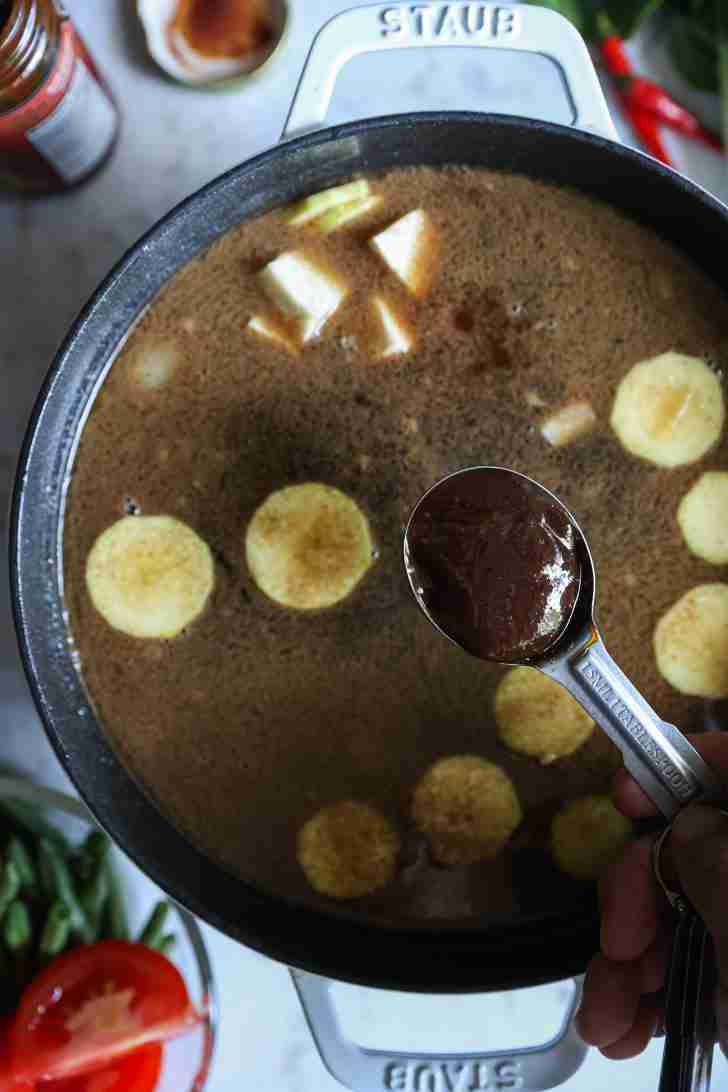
(672, 773)
(689, 1008)
(657, 754)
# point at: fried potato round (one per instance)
(669, 410)
(467, 808)
(691, 642)
(149, 576)
(347, 850)
(308, 546)
(703, 517)
(537, 717)
(587, 836)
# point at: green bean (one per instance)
(167, 944)
(46, 875)
(18, 855)
(55, 867)
(26, 817)
(17, 927)
(93, 852)
(94, 897)
(9, 886)
(56, 931)
(153, 931)
(117, 918)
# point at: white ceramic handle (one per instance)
(518, 28)
(531, 1069)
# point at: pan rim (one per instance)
(149, 838)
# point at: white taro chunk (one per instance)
(407, 247)
(569, 423)
(393, 336)
(152, 362)
(265, 328)
(302, 292)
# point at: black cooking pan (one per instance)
(543, 947)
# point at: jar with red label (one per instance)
(58, 121)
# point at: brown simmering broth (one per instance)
(245, 725)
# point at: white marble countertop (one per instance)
(52, 255)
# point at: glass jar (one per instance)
(58, 121)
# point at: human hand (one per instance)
(622, 1004)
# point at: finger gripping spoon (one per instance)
(501, 567)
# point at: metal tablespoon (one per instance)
(501, 567)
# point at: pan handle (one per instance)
(531, 1069)
(513, 27)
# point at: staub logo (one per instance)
(416, 1076)
(449, 22)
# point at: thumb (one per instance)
(699, 845)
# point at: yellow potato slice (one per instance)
(308, 546)
(316, 204)
(703, 517)
(467, 808)
(341, 215)
(149, 576)
(691, 642)
(588, 835)
(348, 850)
(537, 717)
(669, 410)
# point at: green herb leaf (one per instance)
(694, 52)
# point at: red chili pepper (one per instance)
(647, 95)
(647, 128)
(641, 96)
(618, 64)
(615, 55)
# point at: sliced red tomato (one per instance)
(8, 1083)
(135, 1072)
(94, 1004)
